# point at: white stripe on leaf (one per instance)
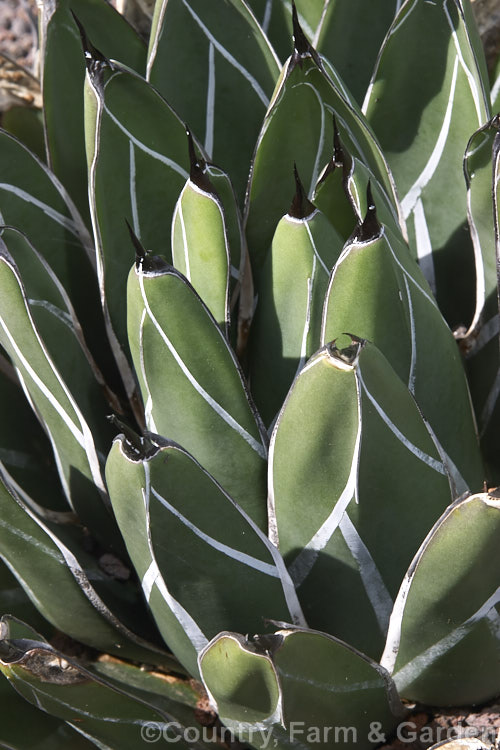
(229, 57)
(217, 408)
(415, 450)
(234, 554)
(414, 193)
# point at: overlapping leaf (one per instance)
(348, 33)
(65, 583)
(191, 384)
(218, 54)
(425, 139)
(166, 503)
(25, 726)
(378, 292)
(63, 77)
(298, 687)
(61, 687)
(200, 247)
(287, 326)
(443, 641)
(33, 200)
(480, 342)
(42, 366)
(137, 145)
(365, 456)
(25, 451)
(298, 128)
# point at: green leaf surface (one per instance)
(126, 478)
(25, 452)
(234, 576)
(64, 689)
(15, 602)
(364, 456)
(287, 327)
(242, 682)
(480, 342)
(378, 292)
(214, 65)
(33, 200)
(137, 144)
(442, 647)
(65, 583)
(299, 687)
(25, 727)
(26, 124)
(191, 384)
(425, 139)
(200, 247)
(298, 128)
(347, 32)
(63, 79)
(72, 416)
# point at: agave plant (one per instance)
(277, 275)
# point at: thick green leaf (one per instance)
(105, 715)
(214, 65)
(137, 144)
(364, 455)
(233, 577)
(63, 79)
(24, 727)
(287, 326)
(191, 384)
(299, 687)
(378, 292)
(25, 452)
(33, 200)
(126, 478)
(66, 588)
(26, 124)
(480, 342)
(443, 646)
(242, 682)
(347, 32)
(298, 128)
(334, 190)
(42, 373)
(425, 139)
(15, 602)
(200, 247)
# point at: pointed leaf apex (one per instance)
(370, 229)
(347, 354)
(198, 172)
(140, 251)
(300, 41)
(338, 149)
(94, 59)
(301, 205)
(144, 260)
(136, 447)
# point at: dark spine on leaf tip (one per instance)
(370, 229)
(301, 205)
(300, 41)
(95, 61)
(144, 261)
(197, 171)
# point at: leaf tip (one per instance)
(301, 45)
(301, 205)
(370, 228)
(95, 61)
